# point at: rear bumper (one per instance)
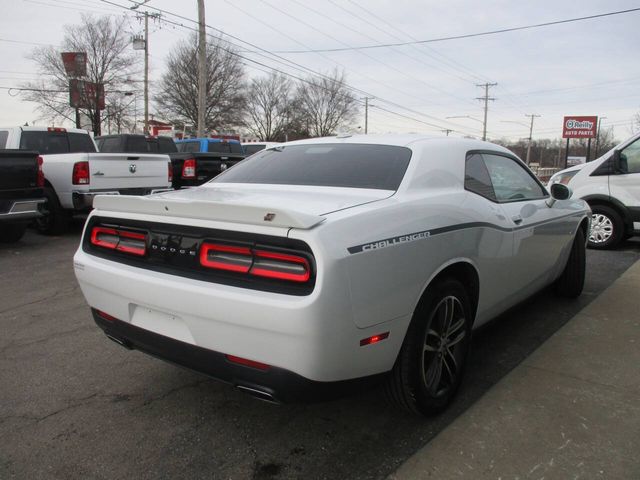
(271, 384)
(21, 210)
(83, 201)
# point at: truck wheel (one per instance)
(430, 365)
(571, 281)
(12, 233)
(607, 229)
(55, 220)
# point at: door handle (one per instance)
(517, 219)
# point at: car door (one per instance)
(540, 232)
(625, 186)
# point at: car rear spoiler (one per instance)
(207, 210)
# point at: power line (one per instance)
(469, 35)
(291, 64)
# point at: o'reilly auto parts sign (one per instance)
(579, 127)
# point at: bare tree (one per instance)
(326, 104)
(109, 62)
(177, 99)
(269, 107)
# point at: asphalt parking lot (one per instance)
(75, 405)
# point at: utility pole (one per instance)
(532, 116)
(366, 113)
(202, 69)
(486, 99)
(146, 15)
(447, 131)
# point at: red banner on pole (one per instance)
(579, 127)
(75, 63)
(86, 94)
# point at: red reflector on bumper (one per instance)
(106, 316)
(248, 363)
(374, 339)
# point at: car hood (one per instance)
(280, 205)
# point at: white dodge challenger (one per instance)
(321, 265)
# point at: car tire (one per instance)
(55, 220)
(12, 233)
(571, 282)
(607, 228)
(430, 365)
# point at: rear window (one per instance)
(224, 147)
(251, 149)
(188, 146)
(3, 138)
(56, 142)
(330, 165)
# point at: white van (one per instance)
(611, 187)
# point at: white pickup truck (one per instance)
(74, 172)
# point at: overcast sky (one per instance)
(588, 67)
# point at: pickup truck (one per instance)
(74, 173)
(191, 167)
(21, 200)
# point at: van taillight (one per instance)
(80, 173)
(189, 168)
(40, 180)
(124, 241)
(170, 175)
(256, 262)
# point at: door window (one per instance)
(631, 154)
(476, 177)
(511, 181)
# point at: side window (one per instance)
(476, 177)
(631, 154)
(3, 138)
(511, 181)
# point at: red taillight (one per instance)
(189, 168)
(248, 363)
(120, 240)
(226, 257)
(261, 263)
(281, 266)
(40, 180)
(170, 174)
(374, 339)
(56, 129)
(80, 173)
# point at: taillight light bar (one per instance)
(257, 262)
(40, 180)
(170, 172)
(120, 240)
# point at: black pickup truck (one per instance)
(21, 196)
(189, 168)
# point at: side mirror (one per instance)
(559, 191)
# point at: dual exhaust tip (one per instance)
(255, 391)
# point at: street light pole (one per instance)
(598, 136)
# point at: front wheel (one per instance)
(430, 365)
(607, 228)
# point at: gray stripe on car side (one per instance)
(422, 234)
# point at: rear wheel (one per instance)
(12, 233)
(571, 282)
(607, 228)
(430, 365)
(55, 220)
